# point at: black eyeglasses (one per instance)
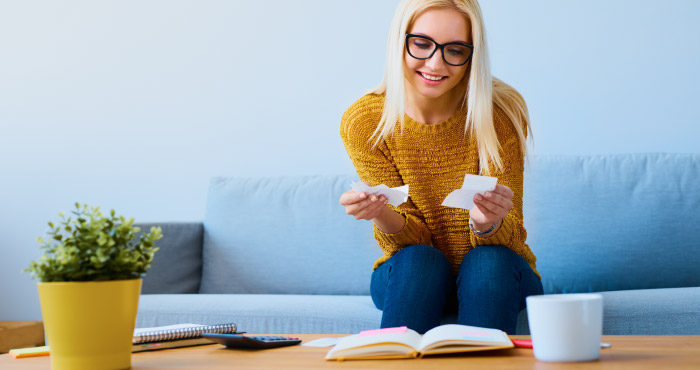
(453, 53)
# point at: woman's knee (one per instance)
(491, 261)
(411, 275)
(420, 257)
(420, 267)
(488, 252)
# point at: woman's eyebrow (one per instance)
(432, 38)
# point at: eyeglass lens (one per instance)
(422, 48)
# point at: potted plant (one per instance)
(90, 281)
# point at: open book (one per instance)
(402, 342)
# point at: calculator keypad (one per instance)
(252, 342)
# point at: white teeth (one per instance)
(431, 78)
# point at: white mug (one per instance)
(566, 327)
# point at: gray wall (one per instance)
(133, 105)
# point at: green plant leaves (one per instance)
(94, 248)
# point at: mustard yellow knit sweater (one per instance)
(433, 160)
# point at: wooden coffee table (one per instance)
(627, 352)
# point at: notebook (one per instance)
(149, 339)
(174, 336)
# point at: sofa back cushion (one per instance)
(595, 223)
(177, 265)
(614, 222)
(284, 235)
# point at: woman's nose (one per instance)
(435, 61)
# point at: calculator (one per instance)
(252, 342)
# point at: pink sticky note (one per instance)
(398, 330)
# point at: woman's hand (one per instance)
(363, 206)
(492, 207)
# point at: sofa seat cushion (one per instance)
(671, 311)
(262, 313)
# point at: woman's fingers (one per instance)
(490, 207)
(498, 200)
(488, 216)
(372, 210)
(361, 205)
(356, 208)
(504, 190)
(352, 197)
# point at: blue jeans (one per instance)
(416, 286)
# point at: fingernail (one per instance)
(373, 198)
(479, 197)
(489, 194)
(363, 195)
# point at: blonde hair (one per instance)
(481, 93)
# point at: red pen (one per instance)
(522, 343)
(527, 343)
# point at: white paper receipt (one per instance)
(473, 185)
(395, 196)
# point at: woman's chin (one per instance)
(432, 93)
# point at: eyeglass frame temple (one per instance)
(441, 47)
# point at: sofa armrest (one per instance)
(177, 265)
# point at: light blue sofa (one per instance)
(279, 255)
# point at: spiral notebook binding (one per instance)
(182, 333)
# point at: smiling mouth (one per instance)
(431, 77)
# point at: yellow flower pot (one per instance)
(90, 325)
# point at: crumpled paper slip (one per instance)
(395, 196)
(473, 185)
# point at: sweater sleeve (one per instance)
(375, 165)
(511, 233)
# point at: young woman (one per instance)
(438, 115)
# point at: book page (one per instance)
(459, 338)
(377, 344)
